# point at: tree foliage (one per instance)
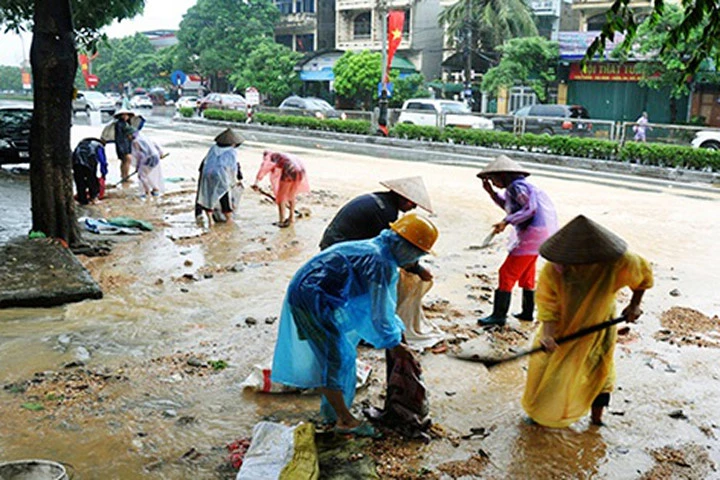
(10, 78)
(357, 76)
(215, 34)
(528, 61)
(270, 68)
(697, 16)
(412, 86)
(667, 67)
(123, 60)
(491, 22)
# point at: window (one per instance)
(596, 23)
(523, 112)
(414, 106)
(285, 6)
(305, 43)
(362, 26)
(406, 25)
(286, 40)
(304, 6)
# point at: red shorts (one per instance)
(518, 269)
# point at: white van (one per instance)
(427, 112)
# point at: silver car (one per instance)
(92, 101)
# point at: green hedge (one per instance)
(632, 152)
(187, 112)
(360, 127)
(226, 115)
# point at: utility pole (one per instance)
(468, 52)
(383, 103)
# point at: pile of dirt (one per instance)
(472, 467)
(74, 387)
(685, 326)
(186, 364)
(687, 461)
(398, 458)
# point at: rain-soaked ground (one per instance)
(123, 388)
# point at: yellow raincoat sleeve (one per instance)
(548, 294)
(635, 272)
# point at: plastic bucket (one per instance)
(32, 470)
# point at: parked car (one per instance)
(550, 119)
(709, 139)
(141, 101)
(92, 101)
(189, 101)
(115, 97)
(222, 101)
(425, 112)
(15, 134)
(310, 107)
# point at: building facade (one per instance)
(359, 27)
(306, 25)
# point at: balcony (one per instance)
(297, 21)
(341, 5)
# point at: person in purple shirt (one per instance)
(531, 212)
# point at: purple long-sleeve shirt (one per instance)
(532, 214)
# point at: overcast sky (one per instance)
(158, 15)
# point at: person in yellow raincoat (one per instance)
(587, 265)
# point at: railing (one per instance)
(668, 134)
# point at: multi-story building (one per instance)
(592, 12)
(359, 27)
(306, 25)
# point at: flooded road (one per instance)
(145, 404)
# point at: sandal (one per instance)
(362, 430)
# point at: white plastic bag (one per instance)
(270, 450)
(259, 379)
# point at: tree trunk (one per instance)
(54, 62)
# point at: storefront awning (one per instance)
(324, 75)
(447, 87)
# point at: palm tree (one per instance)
(491, 22)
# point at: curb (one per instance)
(466, 155)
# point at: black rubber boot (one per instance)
(528, 305)
(500, 309)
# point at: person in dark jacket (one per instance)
(87, 156)
(123, 143)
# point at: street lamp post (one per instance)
(383, 101)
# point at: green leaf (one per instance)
(32, 406)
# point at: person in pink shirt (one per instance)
(288, 178)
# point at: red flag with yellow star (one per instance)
(396, 18)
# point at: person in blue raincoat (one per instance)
(220, 173)
(345, 294)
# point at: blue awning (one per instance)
(324, 75)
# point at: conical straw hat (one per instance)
(583, 241)
(502, 164)
(412, 188)
(123, 110)
(229, 137)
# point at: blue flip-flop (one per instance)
(362, 430)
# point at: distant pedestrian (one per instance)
(288, 178)
(219, 174)
(532, 214)
(641, 127)
(87, 156)
(146, 155)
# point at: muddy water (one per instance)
(141, 411)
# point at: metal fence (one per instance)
(621, 132)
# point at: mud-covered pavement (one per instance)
(145, 382)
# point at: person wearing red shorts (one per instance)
(532, 214)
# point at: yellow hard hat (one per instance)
(417, 230)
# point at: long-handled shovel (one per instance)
(270, 196)
(493, 362)
(125, 179)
